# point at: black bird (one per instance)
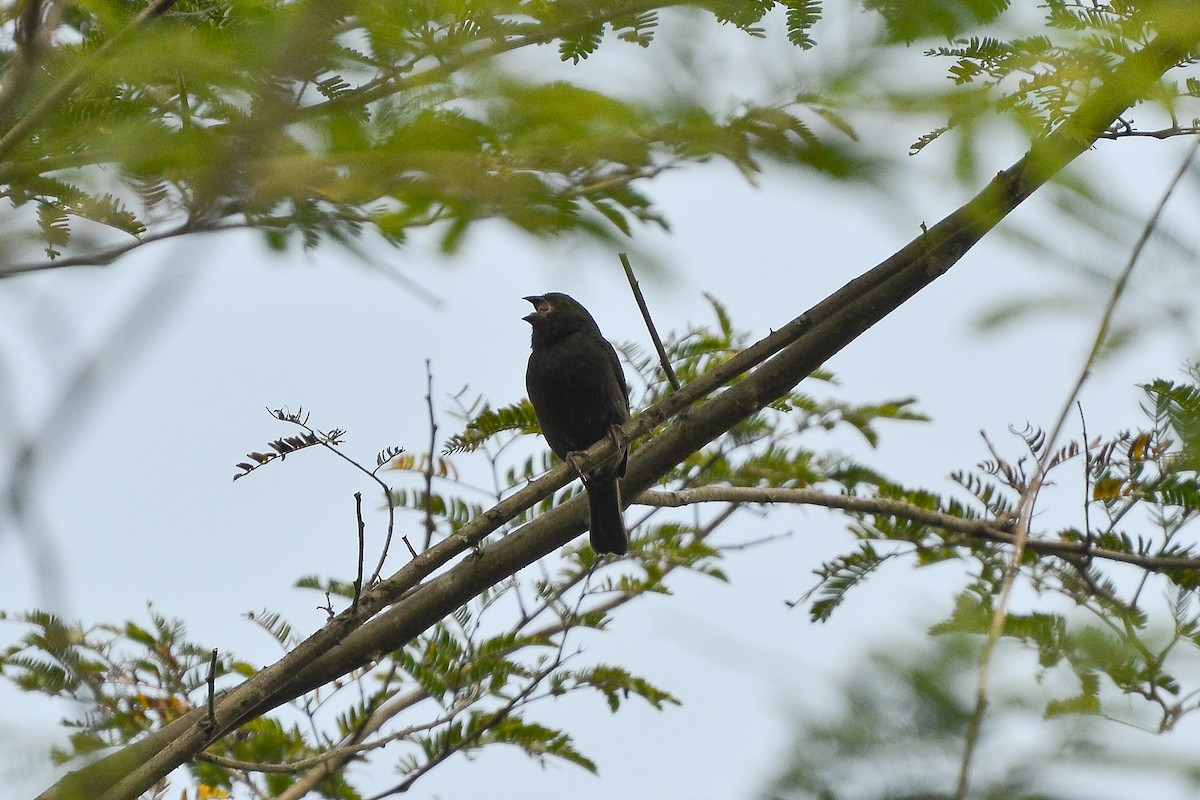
(578, 391)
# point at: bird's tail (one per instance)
(607, 526)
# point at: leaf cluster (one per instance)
(392, 118)
(1037, 80)
(1141, 491)
(469, 682)
(203, 117)
(129, 678)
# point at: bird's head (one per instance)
(556, 314)
(555, 308)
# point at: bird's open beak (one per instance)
(539, 303)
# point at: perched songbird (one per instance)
(578, 391)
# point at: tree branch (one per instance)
(989, 530)
(111, 254)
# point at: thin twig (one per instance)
(111, 254)
(1125, 132)
(340, 753)
(1029, 496)
(387, 539)
(211, 720)
(429, 524)
(641, 301)
(757, 542)
(391, 530)
(1088, 536)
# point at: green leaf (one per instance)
(802, 15)
(909, 20)
(618, 684)
(839, 576)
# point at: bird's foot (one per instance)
(573, 459)
(619, 439)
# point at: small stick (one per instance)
(211, 721)
(358, 582)
(641, 301)
(430, 527)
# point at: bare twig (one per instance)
(211, 721)
(641, 301)
(1088, 536)
(111, 254)
(756, 542)
(362, 527)
(430, 527)
(1124, 130)
(383, 458)
(341, 753)
(975, 528)
(387, 539)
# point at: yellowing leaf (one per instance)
(1137, 448)
(1107, 489)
